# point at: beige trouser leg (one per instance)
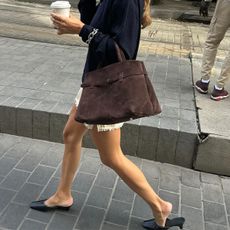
(218, 27)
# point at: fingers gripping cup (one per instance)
(61, 7)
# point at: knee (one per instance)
(69, 136)
(111, 162)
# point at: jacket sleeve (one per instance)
(87, 10)
(103, 44)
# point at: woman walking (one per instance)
(100, 27)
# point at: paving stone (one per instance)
(141, 209)
(130, 137)
(79, 202)
(50, 189)
(30, 224)
(118, 213)
(150, 169)
(191, 197)
(172, 198)
(90, 218)
(5, 197)
(170, 169)
(226, 185)
(28, 193)
(212, 193)
(8, 120)
(194, 218)
(6, 165)
(209, 178)
(44, 217)
(166, 146)
(135, 223)
(24, 125)
(52, 158)
(227, 203)
(190, 178)
(41, 121)
(106, 177)
(57, 124)
(99, 197)
(60, 222)
(90, 165)
(83, 182)
(123, 192)
(169, 182)
(217, 217)
(18, 150)
(211, 226)
(108, 226)
(13, 216)
(147, 147)
(15, 180)
(41, 175)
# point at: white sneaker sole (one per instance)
(219, 98)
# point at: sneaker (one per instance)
(218, 95)
(201, 87)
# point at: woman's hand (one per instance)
(66, 25)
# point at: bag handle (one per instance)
(120, 54)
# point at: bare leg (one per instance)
(108, 144)
(73, 134)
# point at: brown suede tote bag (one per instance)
(116, 93)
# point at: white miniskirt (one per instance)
(100, 128)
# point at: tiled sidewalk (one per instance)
(30, 169)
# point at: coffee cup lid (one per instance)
(60, 4)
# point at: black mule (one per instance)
(151, 224)
(40, 206)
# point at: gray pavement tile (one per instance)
(190, 178)
(30, 224)
(5, 198)
(52, 158)
(147, 146)
(169, 111)
(6, 165)
(123, 192)
(170, 169)
(13, 216)
(28, 193)
(41, 124)
(41, 175)
(191, 197)
(24, 124)
(18, 150)
(141, 209)
(217, 217)
(83, 182)
(167, 145)
(118, 213)
(90, 165)
(135, 223)
(193, 217)
(210, 226)
(226, 185)
(170, 182)
(62, 107)
(212, 193)
(227, 203)
(43, 217)
(99, 197)
(106, 177)
(91, 218)
(173, 198)
(15, 180)
(109, 226)
(61, 221)
(210, 178)
(79, 202)
(50, 188)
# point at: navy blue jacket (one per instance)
(116, 20)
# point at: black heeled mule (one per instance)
(40, 206)
(151, 224)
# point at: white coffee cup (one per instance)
(61, 7)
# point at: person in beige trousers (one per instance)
(220, 23)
